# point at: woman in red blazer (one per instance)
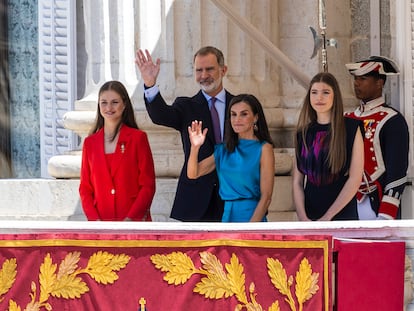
(117, 179)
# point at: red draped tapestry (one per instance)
(164, 271)
(369, 275)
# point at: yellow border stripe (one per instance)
(164, 243)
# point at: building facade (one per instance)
(59, 52)
(57, 65)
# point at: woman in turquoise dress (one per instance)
(244, 161)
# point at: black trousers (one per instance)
(215, 208)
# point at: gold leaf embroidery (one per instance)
(119, 262)
(13, 306)
(213, 288)
(47, 278)
(35, 306)
(253, 307)
(69, 287)
(216, 284)
(69, 264)
(178, 266)
(7, 276)
(66, 283)
(101, 266)
(212, 265)
(274, 306)
(306, 282)
(279, 279)
(237, 278)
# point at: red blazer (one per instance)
(127, 191)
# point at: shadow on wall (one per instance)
(78, 214)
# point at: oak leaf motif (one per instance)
(47, 278)
(66, 283)
(7, 275)
(216, 284)
(278, 275)
(69, 264)
(69, 286)
(237, 278)
(101, 266)
(178, 267)
(306, 282)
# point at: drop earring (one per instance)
(255, 128)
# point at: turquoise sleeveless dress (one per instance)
(239, 178)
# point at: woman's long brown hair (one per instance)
(128, 115)
(337, 133)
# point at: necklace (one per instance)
(111, 137)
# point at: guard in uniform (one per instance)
(386, 141)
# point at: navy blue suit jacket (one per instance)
(193, 196)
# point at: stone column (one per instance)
(172, 31)
(109, 45)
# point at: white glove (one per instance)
(384, 217)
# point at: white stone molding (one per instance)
(57, 76)
(403, 28)
(109, 44)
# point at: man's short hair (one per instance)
(211, 50)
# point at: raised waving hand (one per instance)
(149, 70)
(196, 134)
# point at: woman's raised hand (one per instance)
(196, 133)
